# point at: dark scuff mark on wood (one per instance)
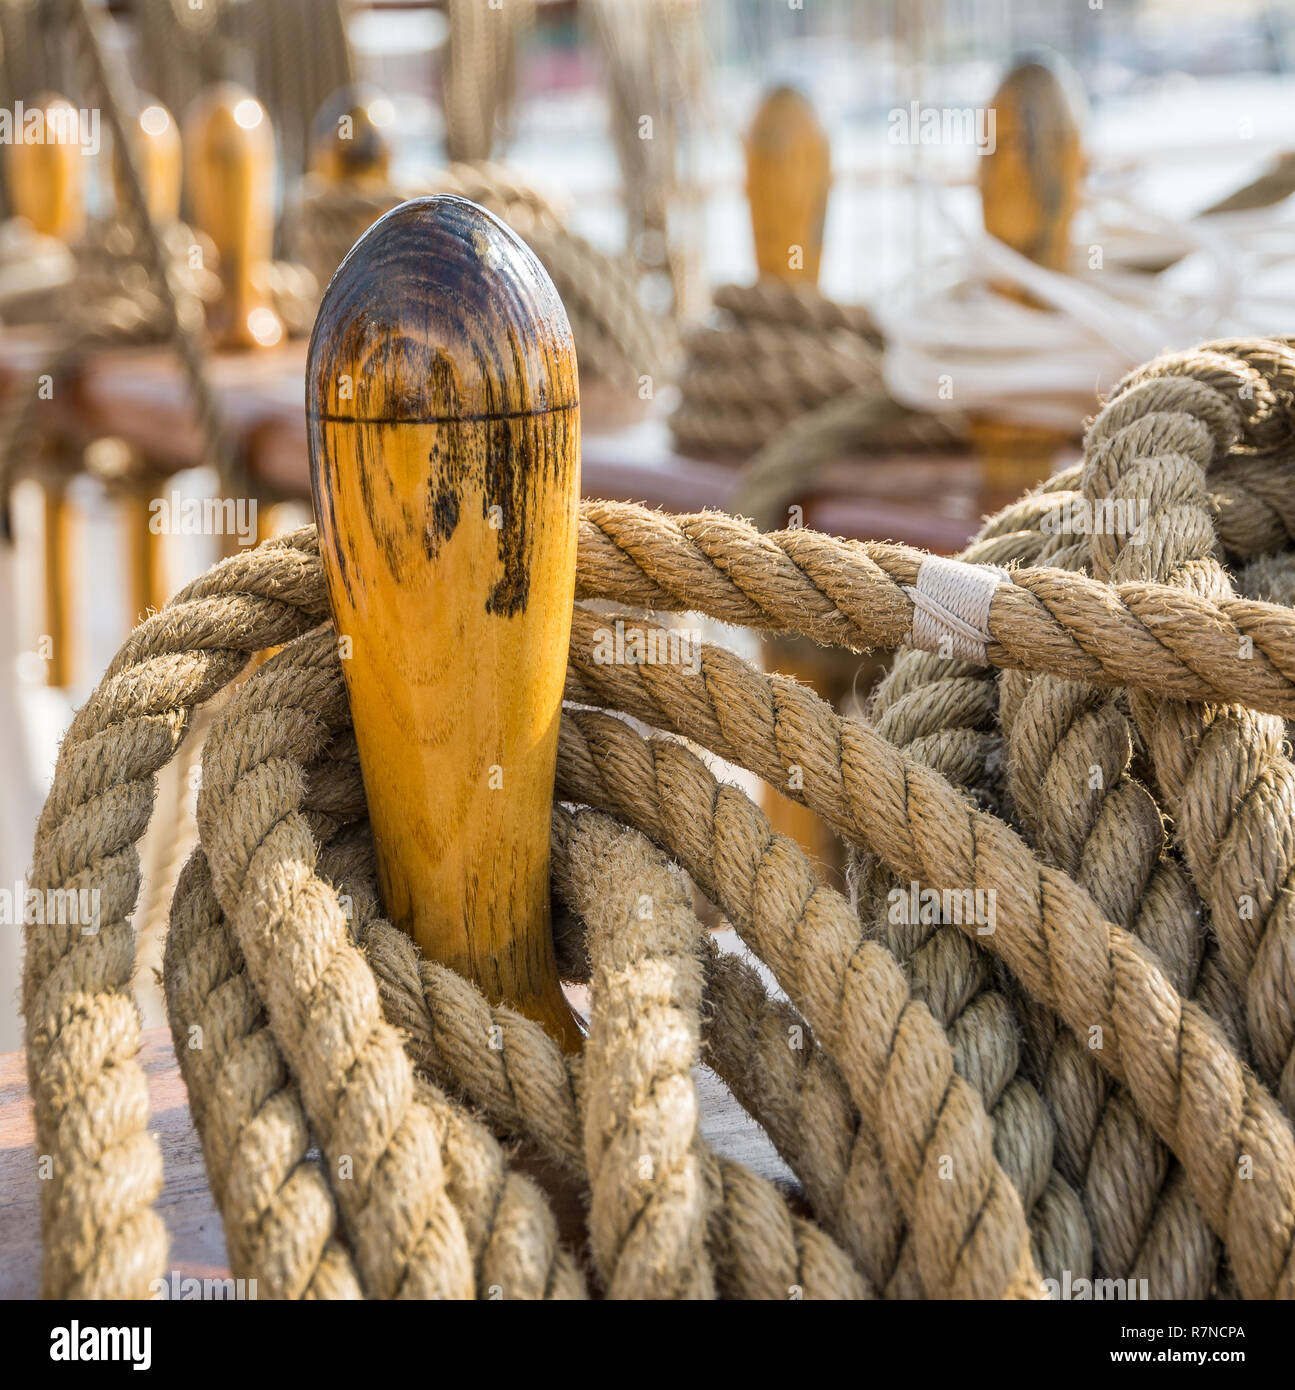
(445, 492)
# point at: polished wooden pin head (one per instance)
(231, 175)
(45, 168)
(787, 178)
(348, 142)
(443, 418)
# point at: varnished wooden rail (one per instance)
(788, 171)
(931, 499)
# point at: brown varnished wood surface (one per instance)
(444, 432)
(927, 499)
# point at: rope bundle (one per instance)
(1068, 1094)
(782, 352)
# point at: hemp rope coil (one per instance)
(780, 354)
(321, 1024)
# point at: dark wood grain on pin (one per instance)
(444, 433)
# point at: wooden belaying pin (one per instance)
(45, 169)
(1030, 179)
(788, 164)
(229, 149)
(156, 140)
(1030, 183)
(45, 173)
(788, 172)
(348, 146)
(155, 143)
(444, 430)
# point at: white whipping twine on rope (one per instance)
(954, 342)
(951, 607)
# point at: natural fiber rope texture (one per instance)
(1224, 774)
(852, 594)
(289, 550)
(413, 1216)
(1144, 1225)
(1186, 1080)
(762, 1250)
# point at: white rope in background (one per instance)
(954, 342)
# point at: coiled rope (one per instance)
(779, 354)
(938, 1153)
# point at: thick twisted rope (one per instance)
(528, 1088)
(275, 1201)
(82, 1027)
(296, 570)
(257, 742)
(853, 594)
(1104, 829)
(969, 1229)
(1224, 773)
(1187, 1082)
(783, 353)
(940, 713)
(945, 719)
(277, 1207)
(416, 1193)
(445, 1020)
(763, 1050)
(356, 1083)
